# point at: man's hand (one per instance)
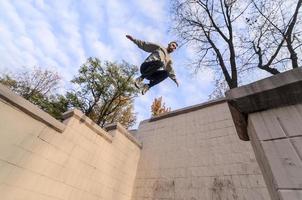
(129, 37)
(176, 82)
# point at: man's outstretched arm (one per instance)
(146, 46)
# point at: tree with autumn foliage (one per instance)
(38, 86)
(105, 92)
(158, 107)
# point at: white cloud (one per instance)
(44, 37)
(9, 14)
(98, 48)
(154, 9)
(25, 43)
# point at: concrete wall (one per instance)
(195, 153)
(269, 114)
(276, 136)
(75, 160)
(192, 153)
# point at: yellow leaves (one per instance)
(158, 107)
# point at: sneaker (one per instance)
(145, 89)
(138, 82)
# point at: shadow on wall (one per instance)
(163, 188)
(222, 188)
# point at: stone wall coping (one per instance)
(185, 110)
(276, 91)
(32, 110)
(124, 131)
(88, 122)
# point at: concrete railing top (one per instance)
(185, 110)
(272, 92)
(8, 96)
(32, 110)
(88, 122)
(281, 89)
(121, 129)
(105, 133)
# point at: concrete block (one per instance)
(297, 145)
(5, 171)
(285, 163)
(290, 194)
(53, 170)
(11, 154)
(31, 143)
(33, 162)
(62, 143)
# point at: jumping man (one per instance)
(157, 66)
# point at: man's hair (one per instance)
(174, 43)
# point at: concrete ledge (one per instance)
(120, 128)
(185, 110)
(32, 110)
(88, 122)
(240, 121)
(276, 91)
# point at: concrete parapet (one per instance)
(118, 127)
(269, 114)
(44, 159)
(185, 110)
(88, 122)
(25, 106)
(272, 92)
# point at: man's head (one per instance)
(172, 46)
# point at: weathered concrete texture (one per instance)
(197, 155)
(290, 194)
(272, 92)
(82, 163)
(276, 136)
(128, 134)
(29, 108)
(275, 91)
(269, 113)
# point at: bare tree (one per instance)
(237, 36)
(210, 25)
(32, 82)
(220, 88)
(273, 34)
(39, 87)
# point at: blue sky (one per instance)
(62, 34)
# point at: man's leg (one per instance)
(157, 77)
(154, 78)
(148, 68)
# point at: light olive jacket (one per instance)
(157, 53)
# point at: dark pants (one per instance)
(151, 71)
